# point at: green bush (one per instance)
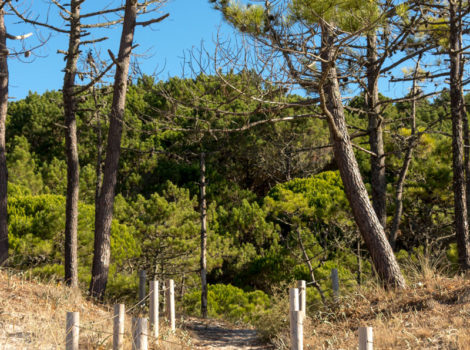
(228, 302)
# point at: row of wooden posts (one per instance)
(140, 325)
(297, 313)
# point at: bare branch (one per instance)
(18, 37)
(155, 20)
(94, 80)
(33, 22)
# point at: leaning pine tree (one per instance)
(309, 36)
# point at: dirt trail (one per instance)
(214, 334)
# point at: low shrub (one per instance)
(228, 302)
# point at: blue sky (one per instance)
(191, 23)
(161, 47)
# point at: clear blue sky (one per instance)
(163, 46)
(190, 23)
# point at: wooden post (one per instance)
(297, 340)
(72, 330)
(170, 303)
(302, 286)
(293, 307)
(366, 338)
(335, 283)
(153, 308)
(142, 283)
(139, 334)
(118, 327)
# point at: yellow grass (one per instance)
(32, 316)
(433, 314)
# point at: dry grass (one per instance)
(32, 316)
(431, 314)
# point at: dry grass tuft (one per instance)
(432, 313)
(32, 316)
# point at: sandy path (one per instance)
(214, 334)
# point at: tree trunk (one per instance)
(203, 209)
(3, 163)
(104, 212)
(372, 231)
(308, 261)
(457, 110)
(404, 169)
(73, 168)
(377, 161)
(466, 147)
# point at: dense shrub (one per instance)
(228, 302)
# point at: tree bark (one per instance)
(3, 163)
(71, 146)
(203, 209)
(404, 169)
(369, 225)
(399, 197)
(104, 212)
(457, 110)
(308, 261)
(377, 161)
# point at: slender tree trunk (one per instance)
(376, 142)
(406, 165)
(399, 197)
(466, 141)
(466, 136)
(3, 117)
(71, 146)
(99, 149)
(310, 267)
(203, 209)
(369, 225)
(104, 212)
(457, 110)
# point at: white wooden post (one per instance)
(139, 334)
(170, 303)
(297, 340)
(293, 308)
(72, 330)
(335, 283)
(142, 283)
(366, 338)
(153, 308)
(302, 286)
(118, 327)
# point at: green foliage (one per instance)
(167, 227)
(262, 198)
(453, 254)
(349, 15)
(88, 183)
(22, 166)
(37, 118)
(320, 198)
(249, 18)
(228, 302)
(54, 175)
(36, 225)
